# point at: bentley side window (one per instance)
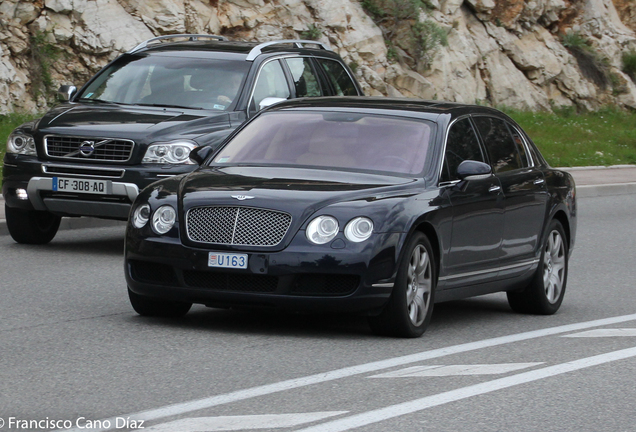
(462, 144)
(521, 147)
(502, 150)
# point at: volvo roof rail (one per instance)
(192, 37)
(299, 44)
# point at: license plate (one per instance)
(63, 184)
(227, 260)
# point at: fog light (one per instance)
(22, 194)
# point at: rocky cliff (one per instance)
(528, 54)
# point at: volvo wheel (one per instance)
(31, 226)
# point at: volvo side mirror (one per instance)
(66, 93)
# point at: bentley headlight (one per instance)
(177, 152)
(141, 215)
(163, 219)
(20, 143)
(322, 229)
(359, 229)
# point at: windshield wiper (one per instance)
(167, 106)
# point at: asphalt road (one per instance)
(74, 354)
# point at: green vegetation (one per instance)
(593, 66)
(312, 33)
(565, 138)
(43, 55)
(402, 25)
(629, 64)
(7, 124)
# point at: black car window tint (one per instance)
(305, 79)
(521, 148)
(501, 148)
(340, 79)
(462, 144)
(271, 83)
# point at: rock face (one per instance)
(499, 52)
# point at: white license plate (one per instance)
(227, 260)
(63, 184)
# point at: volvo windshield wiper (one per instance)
(167, 106)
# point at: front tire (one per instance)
(148, 306)
(410, 306)
(31, 226)
(545, 293)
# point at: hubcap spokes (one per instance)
(553, 266)
(418, 285)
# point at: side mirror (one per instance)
(200, 154)
(269, 101)
(473, 170)
(66, 93)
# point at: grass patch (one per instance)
(7, 124)
(567, 139)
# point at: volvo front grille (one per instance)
(101, 149)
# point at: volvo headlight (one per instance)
(141, 215)
(177, 152)
(322, 229)
(359, 229)
(20, 143)
(163, 219)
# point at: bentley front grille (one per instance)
(240, 226)
(102, 149)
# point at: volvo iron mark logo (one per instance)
(87, 148)
(242, 197)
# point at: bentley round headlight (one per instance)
(359, 229)
(322, 229)
(141, 215)
(163, 219)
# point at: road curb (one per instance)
(590, 191)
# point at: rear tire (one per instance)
(544, 294)
(148, 306)
(410, 306)
(31, 226)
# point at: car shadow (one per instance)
(265, 322)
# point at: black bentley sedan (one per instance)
(370, 205)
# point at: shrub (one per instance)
(629, 64)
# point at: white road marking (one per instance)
(245, 422)
(454, 370)
(631, 332)
(239, 395)
(375, 416)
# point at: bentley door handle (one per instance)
(494, 188)
(539, 181)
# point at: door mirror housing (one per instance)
(269, 101)
(473, 170)
(200, 154)
(66, 93)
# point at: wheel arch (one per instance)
(561, 216)
(429, 231)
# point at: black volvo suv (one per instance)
(137, 120)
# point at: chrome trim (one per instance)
(258, 49)
(494, 188)
(101, 142)
(45, 169)
(192, 37)
(37, 184)
(383, 285)
(494, 270)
